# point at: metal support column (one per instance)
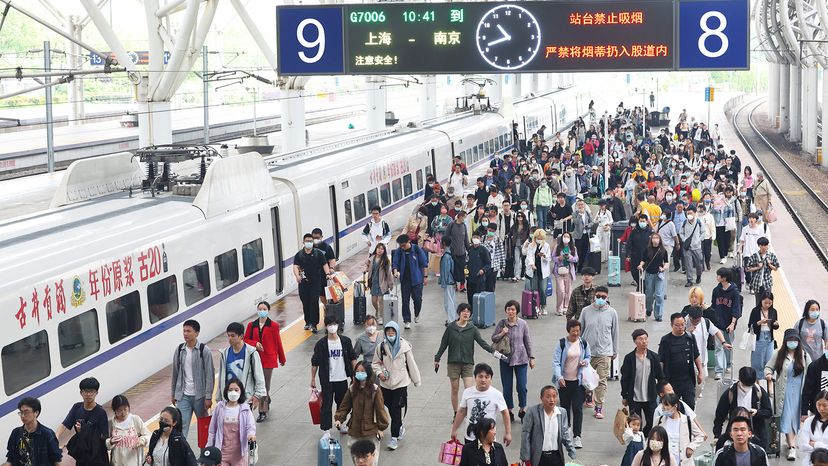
(535, 83)
(784, 101)
(74, 56)
(50, 137)
(154, 118)
(428, 97)
(495, 91)
(206, 94)
(376, 103)
(795, 131)
(809, 110)
(773, 93)
(517, 91)
(293, 119)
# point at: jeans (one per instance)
(309, 295)
(540, 215)
(395, 401)
(763, 351)
(537, 283)
(693, 262)
(654, 291)
(724, 357)
(187, 408)
(333, 391)
(507, 375)
(410, 292)
(449, 302)
(572, 399)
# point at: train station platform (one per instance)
(289, 438)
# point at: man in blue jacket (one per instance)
(32, 443)
(410, 265)
(727, 308)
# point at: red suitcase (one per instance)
(529, 303)
(315, 405)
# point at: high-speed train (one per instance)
(100, 283)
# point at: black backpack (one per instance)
(87, 447)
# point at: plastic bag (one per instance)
(589, 377)
(748, 340)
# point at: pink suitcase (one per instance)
(637, 307)
(529, 304)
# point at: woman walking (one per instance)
(814, 432)
(514, 368)
(128, 436)
(263, 334)
(232, 426)
(655, 452)
(396, 369)
(484, 451)
(364, 403)
(784, 372)
(583, 222)
(683, 435)
(538, 262)
(380, 280)
(604, 220)
(564, 261)
(762, 322)
(571, 356)
(653, 263)
(416, 226)
(518, 234)
(366, 343)
(167, 446)
(724, 211)
(811, 330)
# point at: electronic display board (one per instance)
(494, 37)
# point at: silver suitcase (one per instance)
(391, 307)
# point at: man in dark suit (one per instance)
(545, 433)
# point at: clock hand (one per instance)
(503, 31)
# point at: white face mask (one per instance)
(308, 244)
(656, 445)
(233, 395)
(371, 329)
(476, 241)
(332, 328)
(565, 240)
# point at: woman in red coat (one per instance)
(263, 334)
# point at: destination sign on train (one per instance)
(514, 37)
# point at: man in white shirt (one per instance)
(482, 401)
(545, 432)
(458, 180)
(193, 376)
(700, 327)
(376, 231)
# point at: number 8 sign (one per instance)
(310, 40)
(713, 34)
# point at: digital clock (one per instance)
(415, 17)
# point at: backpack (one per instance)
(200, 349)
(87, 447)
(802, 322)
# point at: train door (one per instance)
(276, 231)
(334, 219)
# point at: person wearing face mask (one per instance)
(310, 270)
(708, 232)
(416, 226)
(683, 435)
(748, 394)
(263, 334)
(816, 377)
(583, 223)
(364, 403)
(241, 361)
(761, 193)
(570, 185)
(542, 200)
(604, 220)
(538, 256)
(520, 189)
(380, 281)
(637, 242)
(366, 342)
(812, 331)
(518, 235)
(333, 360)
(431, 209)
(690, 235)
(655, 452)
(599, 324)
(167, 446)
(784, 372)
(458, 180)
(396, 370)
(497, 256)
(726, 215)
(409, 264)
(232, 426)
(654, 264)
(564, 260)
(479, 265)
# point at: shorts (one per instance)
(458, 370)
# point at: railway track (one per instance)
(808, 210)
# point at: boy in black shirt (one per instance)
(310, 268)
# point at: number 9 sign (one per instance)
(713, 34)
(309, 40)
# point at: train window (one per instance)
(162, 298)
(396, 189)
(78, 337)
(428, 170)
(408, 188)
(373, 197)
(227, 269)
(476, 155)
(419, 179)
(487, 148)
(25, 362)
(197, 282)
(123, 316)
(349, 219)
(252, 258)
(385, 194)
(480, 150)
(463, 157)
(359, 207)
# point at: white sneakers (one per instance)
(791, 454)
(723, 260)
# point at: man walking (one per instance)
(640, 374)
(193, 376)
(691, 234)
(599, 327)
(310, 270)
(410, 265)
(545, 433)
(582, 296)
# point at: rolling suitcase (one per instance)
(594, 260)
(737, 277)
(704, 459)
(483, 309)
(637, 305)
(724, 384)
(615, 369)
(337, 309)
(614, 267)
(774, 446)
(329, 452)
(529, 302)
(360, 304)
(390, 307)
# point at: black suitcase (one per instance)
(736, 274)
(360, 304)
(616, 231)
(772, 427)
(594, 261)
(337, 309)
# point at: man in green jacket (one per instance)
(459, 338)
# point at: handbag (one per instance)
(504, 345)
(770, 215)
(563, 270)
(450, 452)
(589, 377)
(748, 340)
(730, 223)
(315, 406)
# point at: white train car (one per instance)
(100, 284)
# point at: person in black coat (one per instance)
(637, 243)
(474, 452)
(635, 361)
(176, 451)
(321, 361)
(741, 432)
(760, 406)
(812, 384)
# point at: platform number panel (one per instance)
(713, 34)
(310, 41)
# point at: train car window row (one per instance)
(357, 208)
(196, 283)
(25, 362)
(78, 337)
(162, 298)
(396, 189)
(419, 179)
(123, 316)
(385, 195)
(373, 197)
(253, 257)
(408, 188)
(227, 269)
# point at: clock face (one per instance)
(508, 37)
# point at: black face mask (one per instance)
(163, 425)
